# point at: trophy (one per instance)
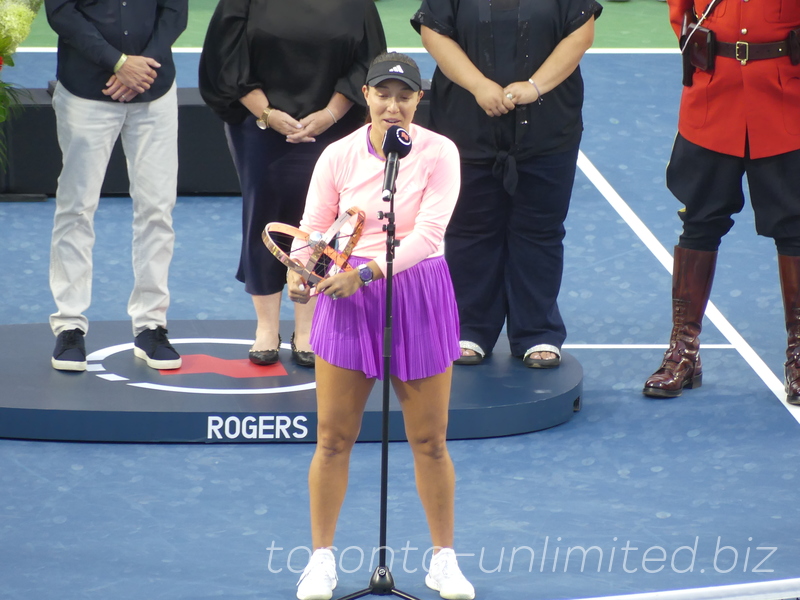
(279, 238)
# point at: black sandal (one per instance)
(542, 363)
(470, 359)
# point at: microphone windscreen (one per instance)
(397, 140)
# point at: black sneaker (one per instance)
(70, 352)
(153, 347)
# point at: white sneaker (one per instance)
(319, 577)
(446, 578)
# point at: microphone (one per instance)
(396, 145)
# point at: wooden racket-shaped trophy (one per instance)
(323, 247)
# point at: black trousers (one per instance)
(709, 185)
(506, 252)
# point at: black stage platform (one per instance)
(219, 396)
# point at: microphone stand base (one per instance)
(380, 584)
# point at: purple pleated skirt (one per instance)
(348, 332)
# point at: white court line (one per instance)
(664, 257)
(767, 590)
(675, 50)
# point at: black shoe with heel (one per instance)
(302, 359)
(264, 358)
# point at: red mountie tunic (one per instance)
(759, 100)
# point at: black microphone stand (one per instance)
(382, 583)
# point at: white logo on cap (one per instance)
(396, 69)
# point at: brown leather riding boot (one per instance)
(692, 276)
(789, 269)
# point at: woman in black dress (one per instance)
(286, 78)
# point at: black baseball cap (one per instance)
(393, 69)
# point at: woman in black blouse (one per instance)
(508, 92)
(286, 78)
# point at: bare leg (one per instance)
(425, 403)
(341, 397)
(268, 313)
(302, 324)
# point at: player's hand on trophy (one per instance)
(341, 285)
(299, 290)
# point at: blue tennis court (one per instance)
(690, 498)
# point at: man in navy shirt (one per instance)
(116, 77)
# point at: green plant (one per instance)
(16, 17)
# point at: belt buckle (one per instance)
(746, 57)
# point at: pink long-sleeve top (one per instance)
(349, 175)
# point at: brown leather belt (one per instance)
(745, 51)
